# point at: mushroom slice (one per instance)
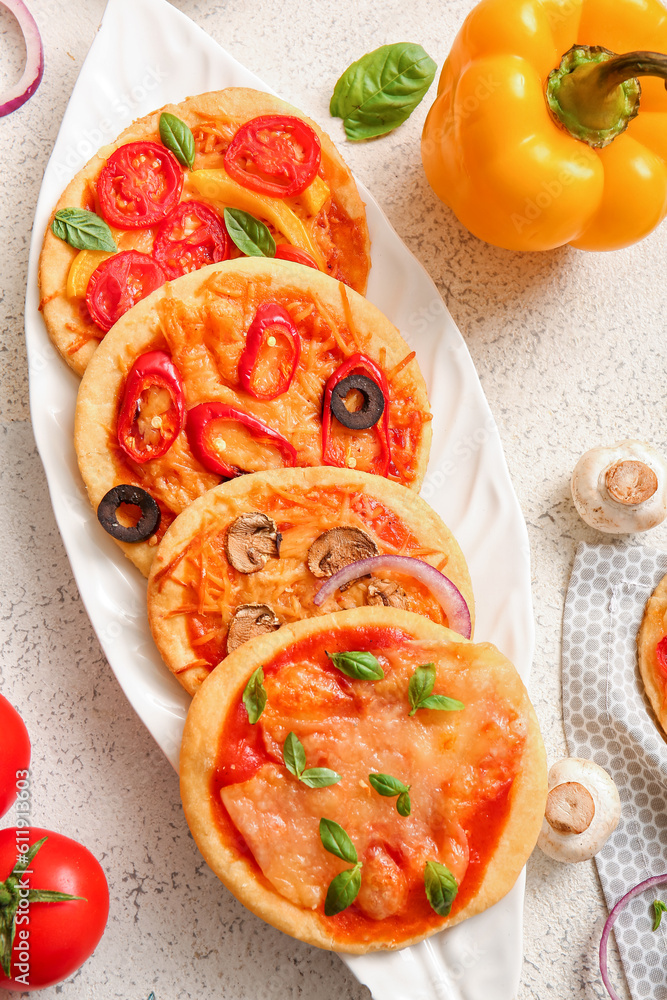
(338, 547)
(248, 621)
(252, 539)
(386, 593)
(583, 810)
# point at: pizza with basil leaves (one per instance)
(364, 779)
(245, 366)
(222, 174)
(268, 549)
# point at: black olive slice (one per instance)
(147, 524)
(370, 412)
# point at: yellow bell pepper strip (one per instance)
(541, 135)
(83, 265)
(216, 185)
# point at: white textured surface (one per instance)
(569, 348)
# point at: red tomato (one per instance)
(285, 251)
(192, 237)
(119, 283)
(14, 753)
(277, 155)
(54, 939)
(140, 185)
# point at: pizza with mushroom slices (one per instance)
(364, 779)
(652, 651)
(154, 201)
(246, 366)
(252, 555)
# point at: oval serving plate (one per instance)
(127, 74)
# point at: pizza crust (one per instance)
(651, 631)
(139, 330)
(67, 321)
(217, 841)
(221, 505)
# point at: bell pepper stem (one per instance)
(594, 94)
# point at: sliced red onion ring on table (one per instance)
(648, 883)
(22, 91)
(448, 596)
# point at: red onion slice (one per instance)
(21, 92)
(448, 596)
(611, 919)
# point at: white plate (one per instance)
(165, 57)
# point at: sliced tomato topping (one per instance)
(661, 655)
(285, 251)
(278, 155)
(119, 283)
(140, 185)
(193, 236)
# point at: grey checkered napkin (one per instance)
(609, 720)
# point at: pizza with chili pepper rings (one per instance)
(164, 216)
(246, 366)
(652, 651)
(254, 554)
(364, 779)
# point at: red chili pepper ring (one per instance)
(269, 317)
(198, 430)
(152, 411)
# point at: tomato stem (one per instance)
(594, 94)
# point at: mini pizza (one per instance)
(246, 366)
(256, 553)
(652, 652)
(364, 779)
(159, 192)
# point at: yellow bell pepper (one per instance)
(217, 186)
(82, 267)
(536, 138)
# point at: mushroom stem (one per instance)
(631, 482)
(570, 808)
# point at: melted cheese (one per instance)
(206, 337)
(210, 586)
(453, 762)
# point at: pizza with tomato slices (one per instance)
(253, 555)
(364, 779)
(652, 651)
(238, 149)
(246, 366)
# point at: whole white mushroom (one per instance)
(583, 809)
(622, 489)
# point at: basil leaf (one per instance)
(336, 841)
(249, 234)
(442, 703)
(254, 696)
(403, 804)
(658, 909)
(381, 90)
(319, 777)
(343, 891)
(441, 887)
(359, 666)
(177, 137)
(294, 755)
(421, 685)
(384, 784)
(83, 230)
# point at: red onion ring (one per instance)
(448, 596)
(611, 919)
(31, 78)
